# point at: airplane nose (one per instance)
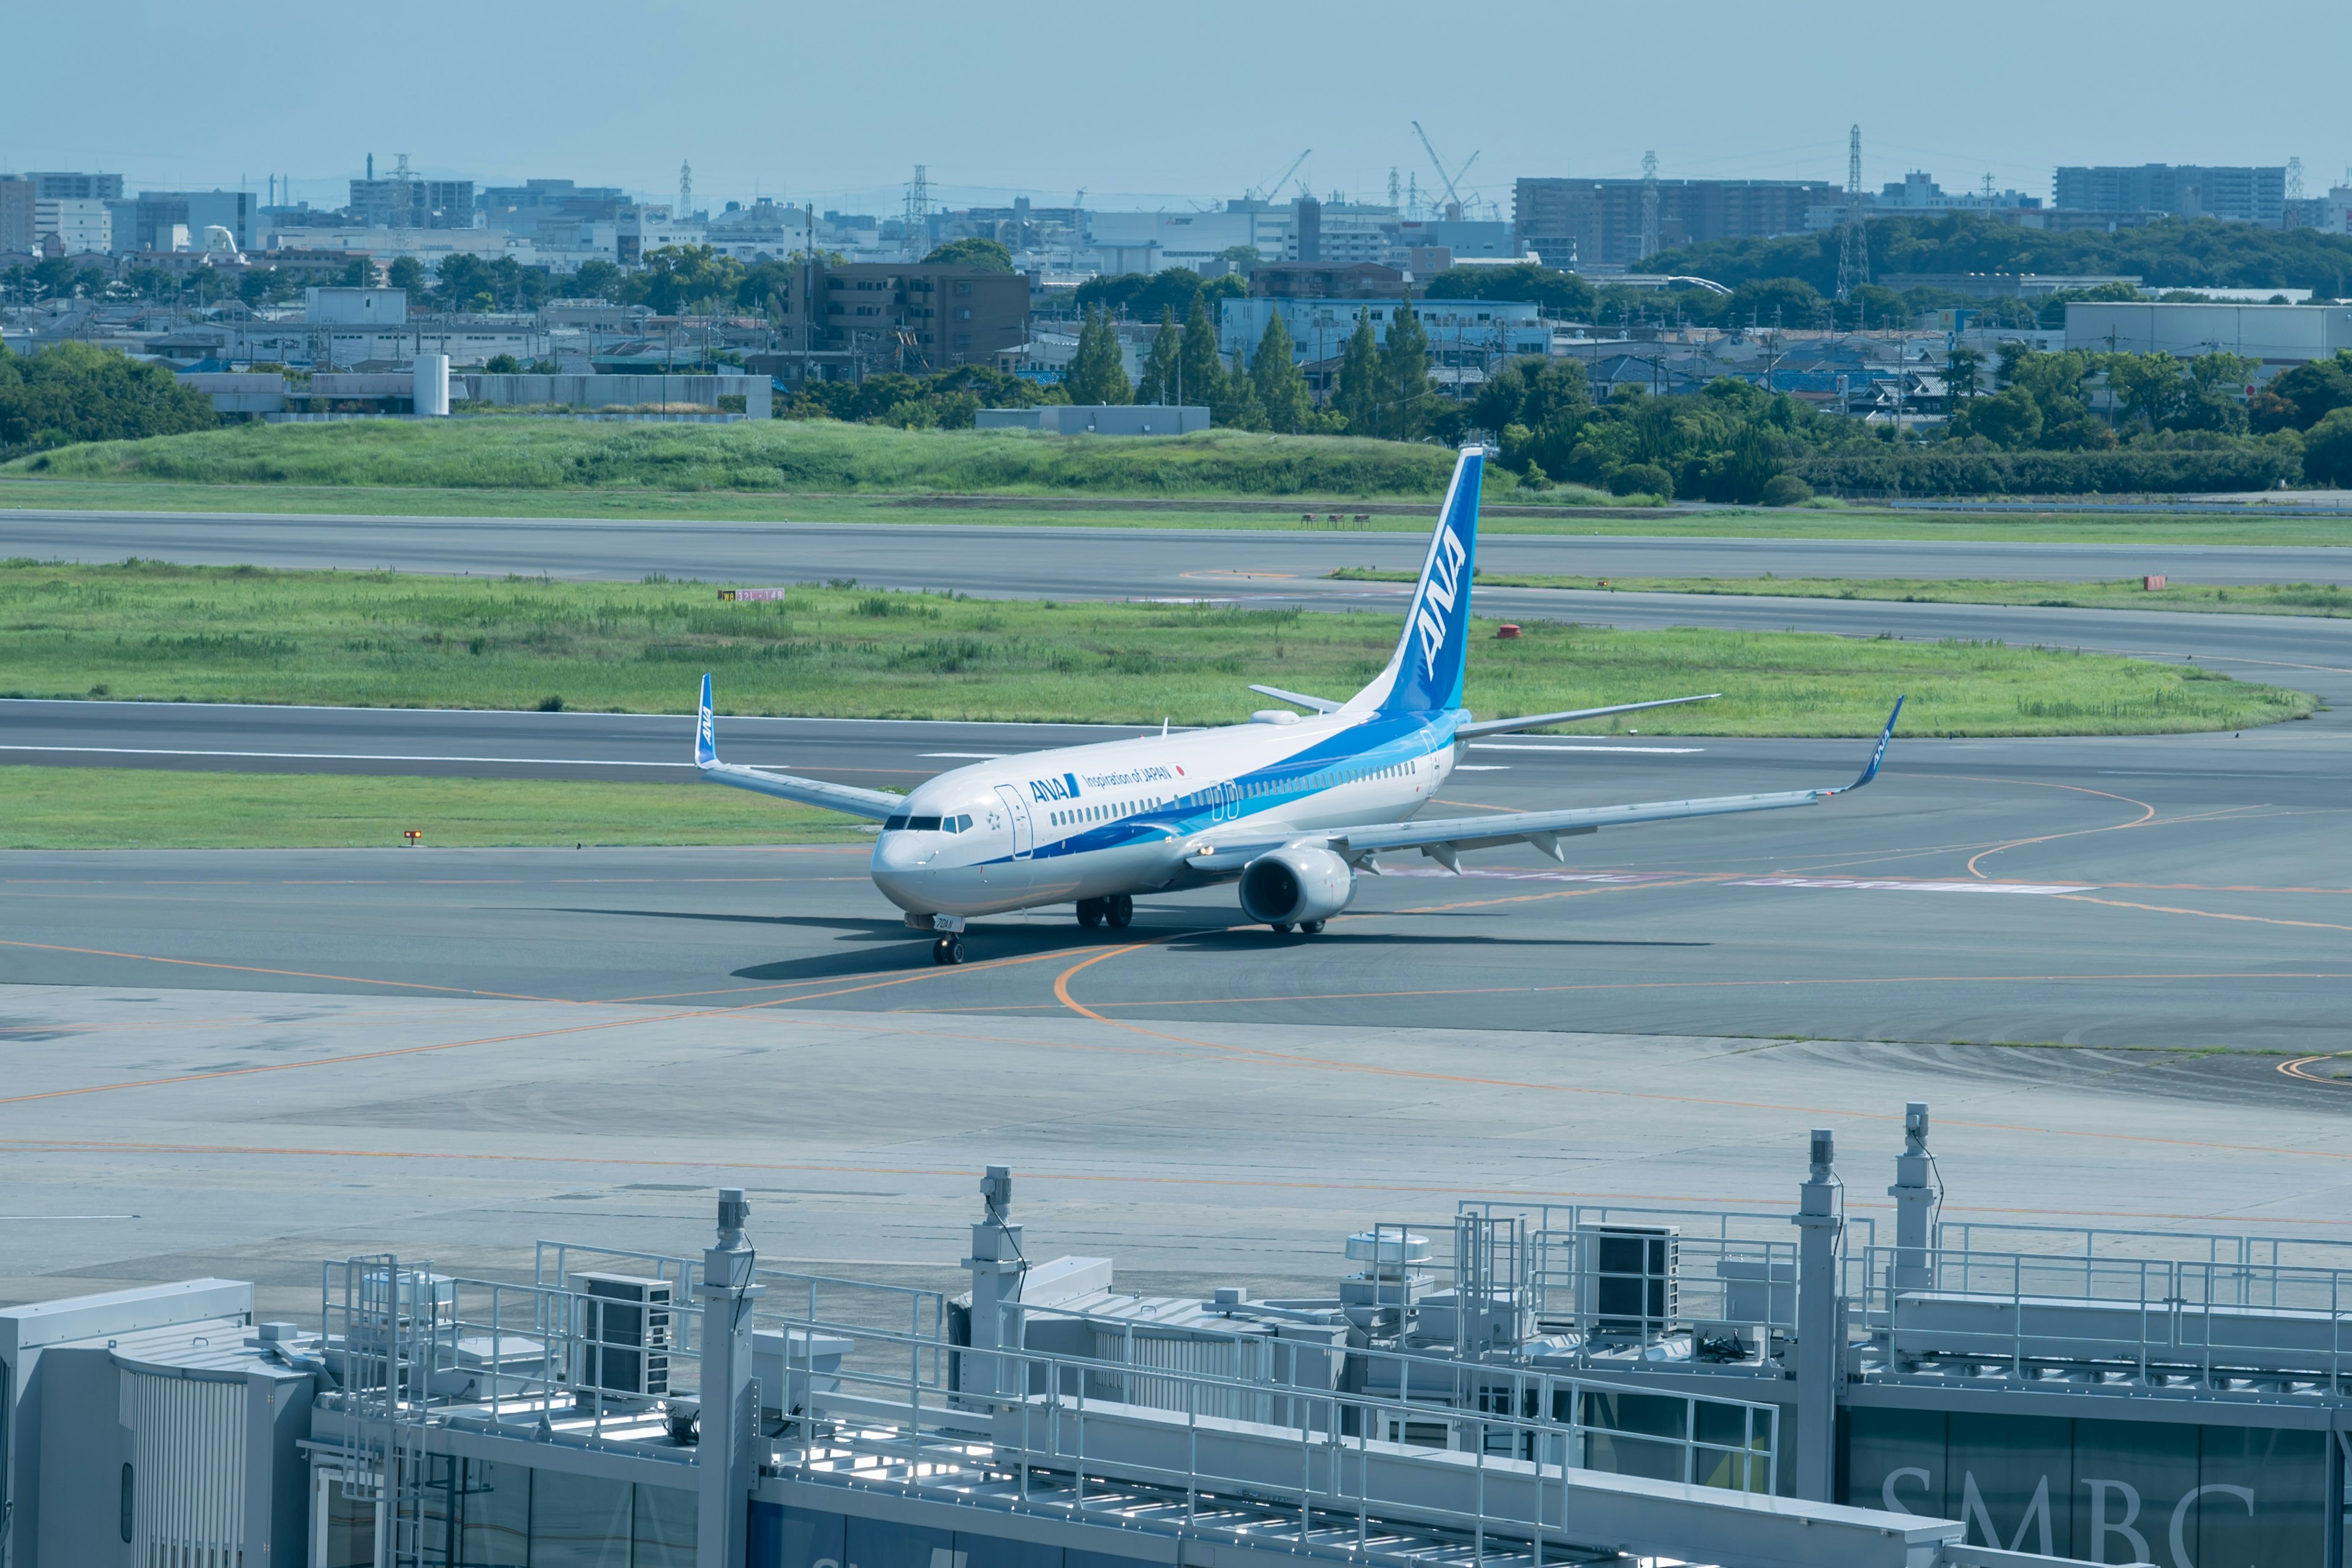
(903, 852)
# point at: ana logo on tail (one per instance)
(1439, 585)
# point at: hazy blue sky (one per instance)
(1150, 105)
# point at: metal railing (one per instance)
(2149, 1317)
(1533, 1428)
(2244, 1251)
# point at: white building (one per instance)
(1460, 331)
(2278, 336)
(1148, 241)
(83, 226)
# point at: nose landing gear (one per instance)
(948, 950)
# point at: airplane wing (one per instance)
(1444, 838)
(872, 803)
(1538, 720)
(1319, 704)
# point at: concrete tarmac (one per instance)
(1041, 560)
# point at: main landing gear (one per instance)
(948, 950)
(1117, 911)
(1305, 928)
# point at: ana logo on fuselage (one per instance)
(1439, 587)
(1063, 788)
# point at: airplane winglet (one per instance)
(1878, 753)
(706, 738)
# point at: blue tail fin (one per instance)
(1425, 675)
(705, 736)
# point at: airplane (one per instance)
(1291, 806)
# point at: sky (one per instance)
(1159, 106)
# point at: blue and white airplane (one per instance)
(1291, 806)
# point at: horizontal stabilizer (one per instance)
(872, 803)
(1317, 704)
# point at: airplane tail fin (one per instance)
(705, 735)
(1425, 675)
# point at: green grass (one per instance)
(146, 630)
(137, 808)
(2325, 599)
(780, 457)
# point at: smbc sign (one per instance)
(2178, 1496)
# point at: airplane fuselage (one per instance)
(1121, 817)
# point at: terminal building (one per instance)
(1513, 1385)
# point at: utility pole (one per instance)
(1853, 242)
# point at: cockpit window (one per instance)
(916, 824)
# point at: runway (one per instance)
(1034, 560)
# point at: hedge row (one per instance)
(1934, 472)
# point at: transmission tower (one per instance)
(919, 199)
(1853, 241)
(1412, 195)
(1649, 205)
(685, 191)
(1395, 190)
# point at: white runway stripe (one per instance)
(337, 756)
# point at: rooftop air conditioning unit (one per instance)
(1625, 1278)
(622, 1347)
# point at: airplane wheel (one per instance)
(1090, 912)
(948, 950)
(1120, 912)
(1282, 926)
(1310, 928)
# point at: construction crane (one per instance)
(1272, 188)
(1453, 197)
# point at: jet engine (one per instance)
(1300, 885)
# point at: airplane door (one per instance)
(1229, 806)
(1018, 809)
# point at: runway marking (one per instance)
(2147, 813)
(289, 974)
(2296, 1070)
(1634, 750)
(1905, 885)
(1222, 572)
(1479, 768)
(974, 756)
(2209, 914)
(1062, 993)
(341, 756)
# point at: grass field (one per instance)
(777, 456)
(138, 808)
(2325, 599)
(240, 634)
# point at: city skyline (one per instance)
(997, 114)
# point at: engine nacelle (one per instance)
(1286, 887)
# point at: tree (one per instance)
(2327, 450)
(1159, 382)
(1199, 368)
(79, 392)
(2301, 397)
(768, 287)
(677, 277)
(1406, 388)
(55, 277)
(1237, 406)
(1097, 373)
(596, 281)
(359, 272)
(1774, 302)
(2149, 386)
(1358, 398)
(407, 272)
(974, 252)
(1561, 293)
(1961, 368)
(2010, 419)
(1282, 392)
